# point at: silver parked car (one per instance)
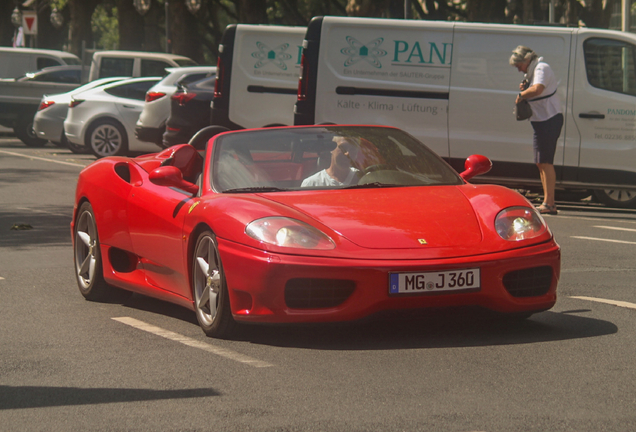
(152, 121)
(48, 122)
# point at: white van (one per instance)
(105, 64)
(450, 85)
(257, 76)
(16, 62)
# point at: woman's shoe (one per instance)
(547, 209)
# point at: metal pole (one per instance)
(407, 9)
(626, 15)
(551, 12)
(168, 43)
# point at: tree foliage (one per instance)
(108, 24)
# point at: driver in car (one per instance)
(340, 171)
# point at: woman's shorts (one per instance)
(546, 134)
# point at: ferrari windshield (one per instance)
(325, 157)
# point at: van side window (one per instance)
(154, 68)
(43, 62)
(610, 65)
(116, 67)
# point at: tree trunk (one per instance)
(80, 24)
(252, 11)
(184, 33)
(131, 25)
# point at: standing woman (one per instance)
(547, 117)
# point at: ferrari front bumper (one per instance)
(259, 283)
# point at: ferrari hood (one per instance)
(392, 218)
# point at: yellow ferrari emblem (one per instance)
(422, 241)
(193, 206)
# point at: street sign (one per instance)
(30, 22)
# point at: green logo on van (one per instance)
(369, 52)
(276, 56)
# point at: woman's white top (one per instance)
(539, 72)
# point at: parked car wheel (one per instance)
(209, 288)
(88, 259)
(616, 197)
(107, 137)
(75, 148)
(23, 129)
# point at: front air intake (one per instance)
(305, 293)
(529, 282)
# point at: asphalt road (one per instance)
(67, 364)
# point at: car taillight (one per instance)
(218, 82)
(152, 96)
(45, 104)
(303, 80)
(74, 102)
(183, 98)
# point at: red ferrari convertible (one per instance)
(308, 224)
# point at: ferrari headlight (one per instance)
(519, 223)
(287, 232)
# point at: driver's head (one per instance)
(345, 152)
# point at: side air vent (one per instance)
(530, 282)
(305, 293)
(123, 171)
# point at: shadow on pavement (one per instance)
(406, 330)
(20, 397)
(49, 225)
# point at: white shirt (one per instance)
(321, 178)
(547, 108)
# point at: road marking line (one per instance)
(192, 342)
(611, 302)
(615, 228)
(1, 278)
(605, 240)
(42, 159)
(600, 219)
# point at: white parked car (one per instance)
(103, 119)
(152, 121)
(48, 122)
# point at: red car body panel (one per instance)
(147, 233)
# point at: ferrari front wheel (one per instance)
(211, 300)
(88, 259)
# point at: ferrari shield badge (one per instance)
(422, 241)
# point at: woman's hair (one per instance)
(521, 54)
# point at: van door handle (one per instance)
(129, 106)
(591, 116)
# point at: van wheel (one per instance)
(106, 137)
(24, 131)
(616, 197)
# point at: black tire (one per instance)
(106, 137)
(616, 197)
(200, 139)
(87, 256)
(23, 129)
(77, 149)
(209, 288)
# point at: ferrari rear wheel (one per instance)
(209, 288)
(88, 260)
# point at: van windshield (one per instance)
(329, 157)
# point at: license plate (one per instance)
(434, 282)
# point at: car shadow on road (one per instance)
(20, 397)
(438, 329)
(435, 328)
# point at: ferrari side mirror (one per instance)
(171, 176)
(475, 165)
